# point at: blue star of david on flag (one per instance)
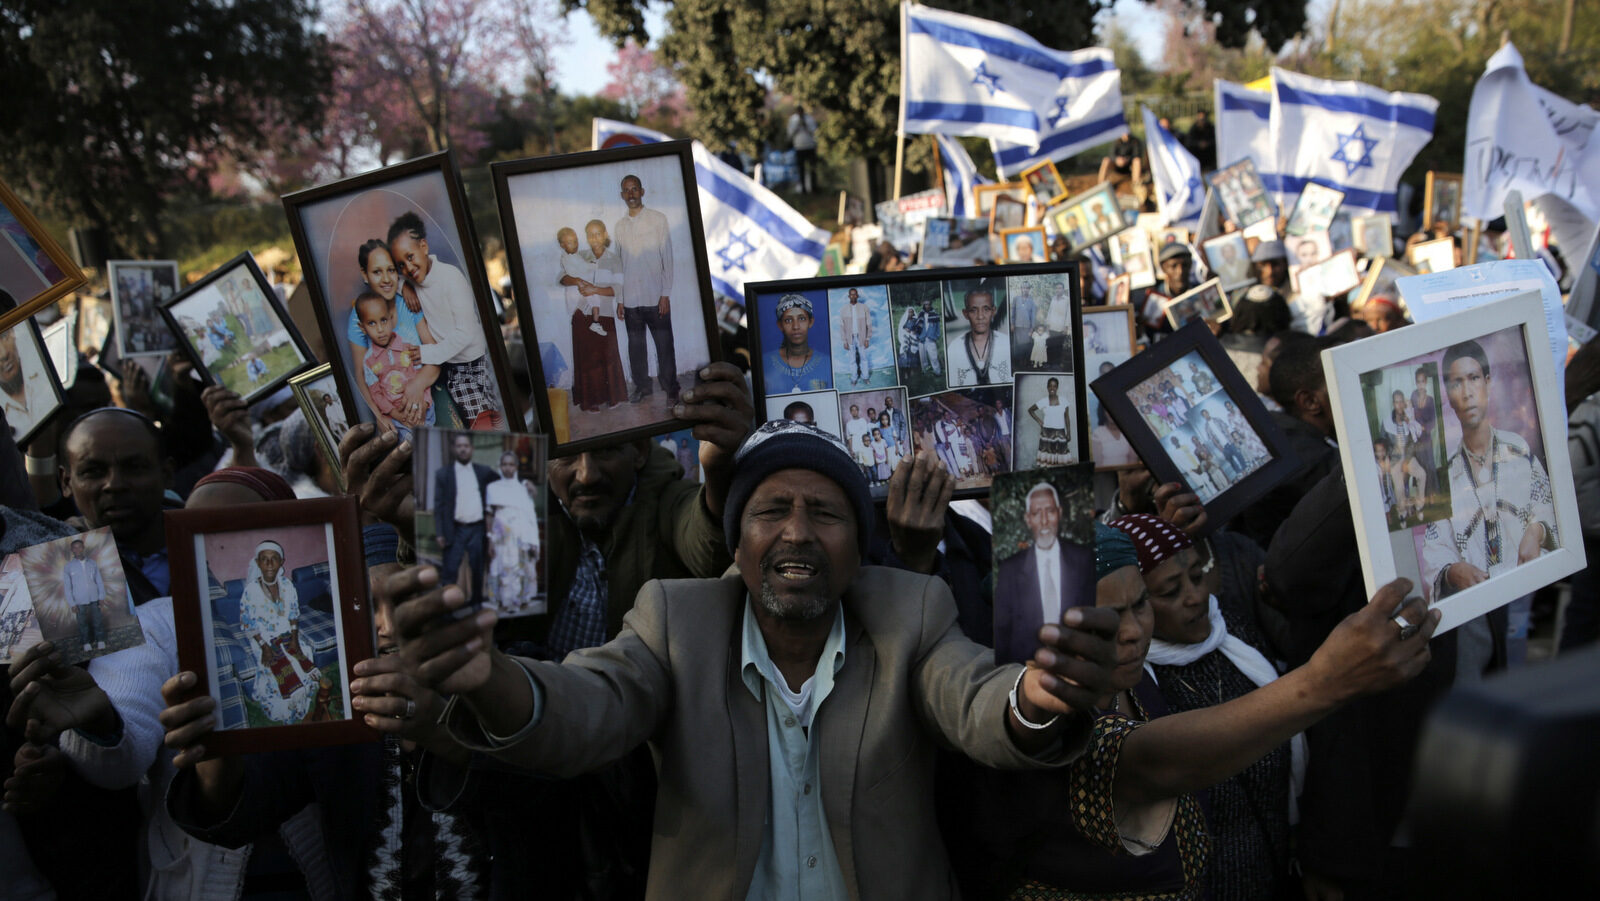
(733, 253)
(1365, 144)
(1059, 113)
(983, 78)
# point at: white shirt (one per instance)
(854, 429)
(469, 503)
(645, 245)
(962, 369)
(578, 267)
(1048, 563)
(452, 313)
(35, 397)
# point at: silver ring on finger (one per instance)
(411, 709)
(1407, 627)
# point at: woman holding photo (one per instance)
(383, 278)
(597, 363)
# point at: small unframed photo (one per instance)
(80, 595)
(1044, 553)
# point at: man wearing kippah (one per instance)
(793, 706)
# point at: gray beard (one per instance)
(803, 610)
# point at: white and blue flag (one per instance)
(1346, 135)
(1180, 192)
(960, 176)
(961, 75)
(1086, 111)
(751, 234)
(609, 133)
(1244, 129)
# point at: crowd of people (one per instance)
(762, 682)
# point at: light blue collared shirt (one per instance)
(797, 861)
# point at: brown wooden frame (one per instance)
(72, 276)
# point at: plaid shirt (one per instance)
(581, 622)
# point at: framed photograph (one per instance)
(935, 352)
(1441, 200)
(1309, 248)
(1131, 251)
(1452, 438)
(852, 209)
(1264, 230)
(1088, 218)
(1045, 183)
(1109, 340)
(80, 595)
(139, 288)
(832, 261)
(1007, 212)
(954, 242)
(1373, 235)
(30, 389)
(983, 196)
(1120, 291)
(1193, 418)
(1228, 258)
(236, 332)
(19, 627)
(1205, 301)
(608, 260)
(1025, 245)
(1433, 256)
(392, 254)
(61, 345)
(34, 270)
(1243, 197)
(1043, 553)
(273, 615)
(1335, 276)
(317, 391)
(1173, 235)
(1380, 279)
(1313, 210)
(497, 556)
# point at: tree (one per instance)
(644, 85)
(113, 104)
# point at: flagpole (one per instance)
(900, 133)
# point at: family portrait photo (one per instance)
(917, 309)
(19, 627)
(608, 262)
(34, 269)
(863, 352)
(80, 595)
(30, 388)
(1044, 553)
(983, 196)
(873, 425)
(1089, 217)
(1243, 197)
(1403, 405)
(399, 291)
(138, 289)
(1207, 301)
(968, 430)
(481, 506)
(1200, 427)
(236, 332)
(1041, 322)
(1311, 247)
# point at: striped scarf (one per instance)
(459, 860)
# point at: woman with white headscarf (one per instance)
(269, 613)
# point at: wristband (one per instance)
(40, 466)
(1016, 711)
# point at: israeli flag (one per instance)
(1346, 135)
(961, 75)
(1244, 129)
(960, 175)
(751, 234)
(1085, 112)
(609, 133)
(1180, 192)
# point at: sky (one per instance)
(581, 63)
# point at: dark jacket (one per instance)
(1018, 606)
(1261, 519)
(1358, 772)
(444, 495)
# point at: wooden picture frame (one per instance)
(535, 197)
(898, 302)
(1441, 194)
(1044, 183)
(41, 385)
(34, 270)
(1271, 458)
(1522, 402)
(1006, 212)
(334, 631)
(983, 196)
(317, 392)
(224, 293)
(332, 222)
(1010, 241)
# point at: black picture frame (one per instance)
(246, 261)
(1113, 390)
(197, 631)
(28, 330)
(761, 298)
(297, 205)
(503, 173)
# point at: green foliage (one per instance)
(1009, 501)
(113, 104)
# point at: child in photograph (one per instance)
(255, 369)
(573, 264)
(269, 614)
(1040, 355)
(880, 455)
(390, 363)
(865, 458)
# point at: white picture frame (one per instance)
(1344, 366)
